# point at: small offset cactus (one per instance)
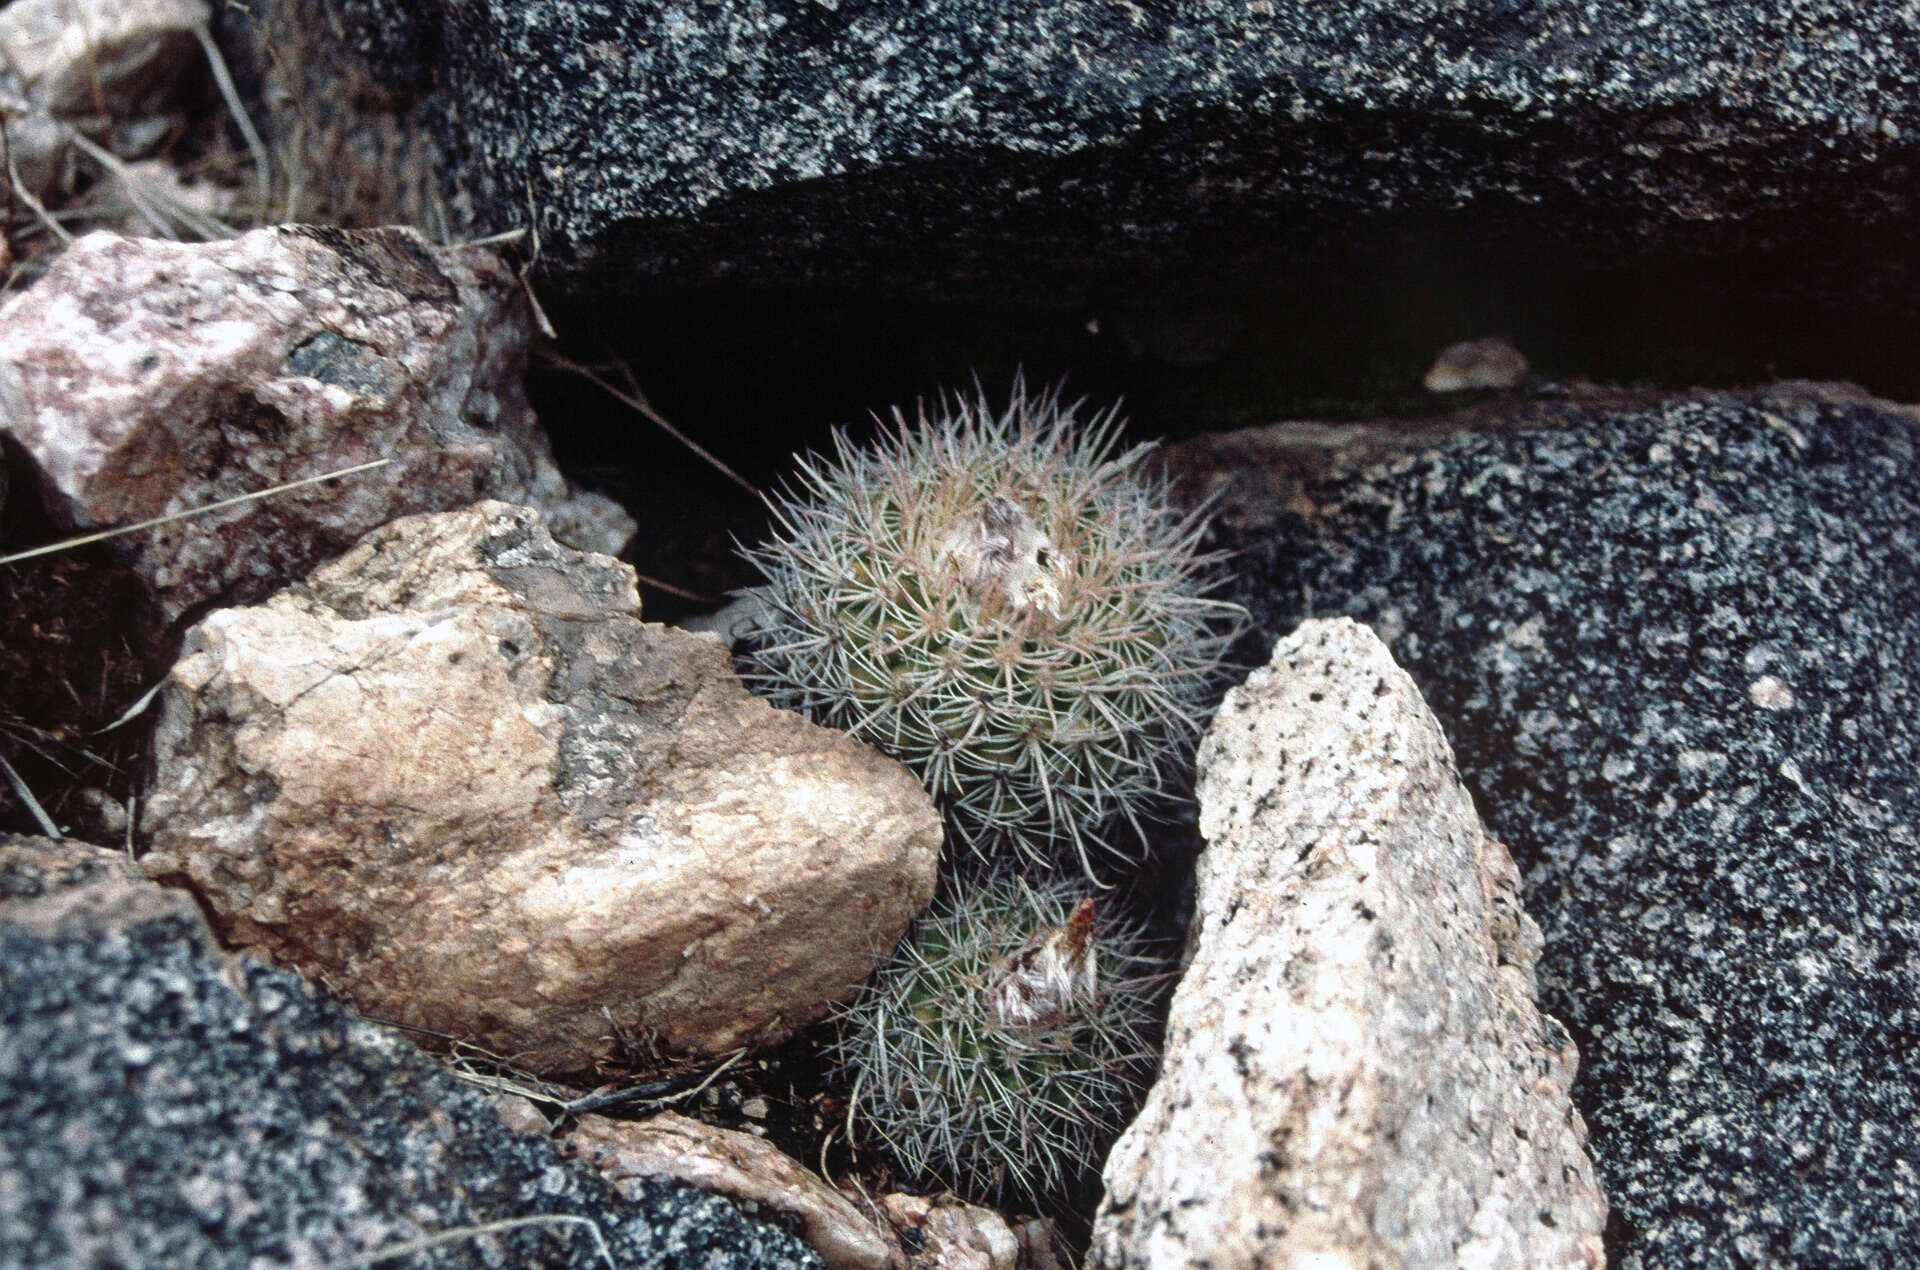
(1004, 1046)
(1006, 605)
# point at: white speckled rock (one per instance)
(146, 377)
(457, 780)
(1356, 1074)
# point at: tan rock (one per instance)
(950, 1234)
(453, 777)
(674, 1148)
(1487, 363)
(518, 1113)
(1356, 1073)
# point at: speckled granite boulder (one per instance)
(1354, 1047)
(1674, 643)
(168, 1106)
(1038, 148)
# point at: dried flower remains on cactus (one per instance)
(1003, 1047)
(1007, 604)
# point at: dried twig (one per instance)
(263, 169)
(33, 804)
(672, 1089)
(639, 402)
(34, 205)
(411, 1246)
(84, 539)
(152, 202)
(6, 156)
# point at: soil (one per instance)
(69, 668)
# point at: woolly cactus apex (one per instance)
(1005, 604)
(1003, 1047)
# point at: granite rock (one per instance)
(947, 1233)
(1354, 1047)
(455, 778)
(1035, 150)
(1674, 642)
(170, 1106)
(143, 377)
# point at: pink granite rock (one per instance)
(145, 377)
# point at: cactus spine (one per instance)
(1004, 1045)
(1005, 603)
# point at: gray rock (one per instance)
(1035, 149)
(454, 777)
(1674, 643)
(1354, 1049)
(169, 1106)
(145, 377)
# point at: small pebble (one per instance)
(1492, 362)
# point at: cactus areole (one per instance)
(1006, 603)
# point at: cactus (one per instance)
(1004, 1045)
(1006, 604)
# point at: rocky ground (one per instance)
(383, 883)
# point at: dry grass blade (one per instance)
(133, 711)
(262, 169)
(84, 539)
(671, 589)
(423, 1244)
(640, 404)
(167, 214)
(34, 205)
(32, 803)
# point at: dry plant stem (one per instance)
(34, 205)
(6, 158)
(153, 204)
(133, 711)
(262, 169)
(671, 589)
(640, 404)
(32, 803)
(84, 539)
(533, 229)
(662, 1092)
(423, 1244)
(92, 46)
